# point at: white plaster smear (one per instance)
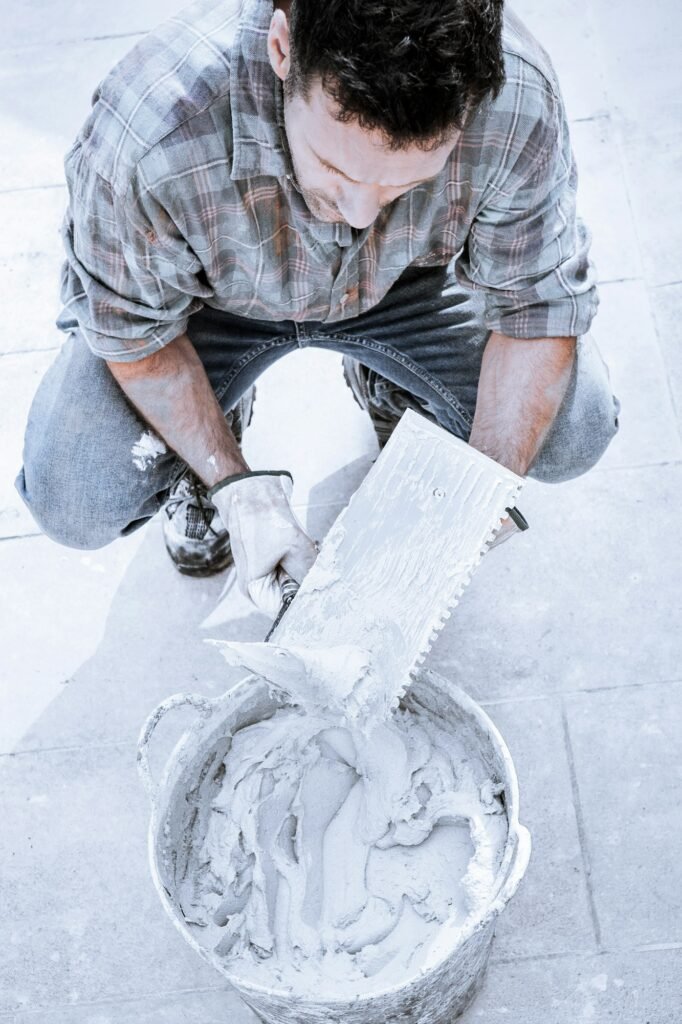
(146, 451)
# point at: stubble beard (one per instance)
(321, 207)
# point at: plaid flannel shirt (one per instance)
(182, 193)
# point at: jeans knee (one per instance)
(60, 518)
(573, 461)
(585, 425)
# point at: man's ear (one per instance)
(278, 44)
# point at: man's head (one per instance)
(376, 92)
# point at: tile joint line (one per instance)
(580, 822)
(32, 188)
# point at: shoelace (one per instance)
(198, 493)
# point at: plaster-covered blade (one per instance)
(398, 557)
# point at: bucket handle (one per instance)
(516, 872)
(202, 704)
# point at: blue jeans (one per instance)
(422, 345)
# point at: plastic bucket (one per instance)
(435, 996)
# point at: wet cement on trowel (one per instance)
(343, 842)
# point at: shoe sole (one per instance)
(221, 561)
(187, 570)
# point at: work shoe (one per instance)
(385, 402)
(196, 539)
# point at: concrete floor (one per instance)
(570, 635)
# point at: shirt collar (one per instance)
(256, 99)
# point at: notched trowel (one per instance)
(391, 568)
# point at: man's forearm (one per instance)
(521, 386)
(172, 393)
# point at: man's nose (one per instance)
(359, 206)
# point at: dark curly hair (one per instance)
(411, 69)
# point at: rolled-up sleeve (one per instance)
(130, 281)
(527, 248)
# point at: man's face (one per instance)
(347, 173)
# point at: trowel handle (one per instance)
(288, 588)
(202, 704)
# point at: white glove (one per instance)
(264, 535)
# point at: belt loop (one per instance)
(302, 334)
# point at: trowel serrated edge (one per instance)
(444, 613)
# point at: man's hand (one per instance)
(264, 534)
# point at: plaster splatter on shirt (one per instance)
(146, 451)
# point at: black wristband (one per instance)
(517, 518)
(226, 481)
